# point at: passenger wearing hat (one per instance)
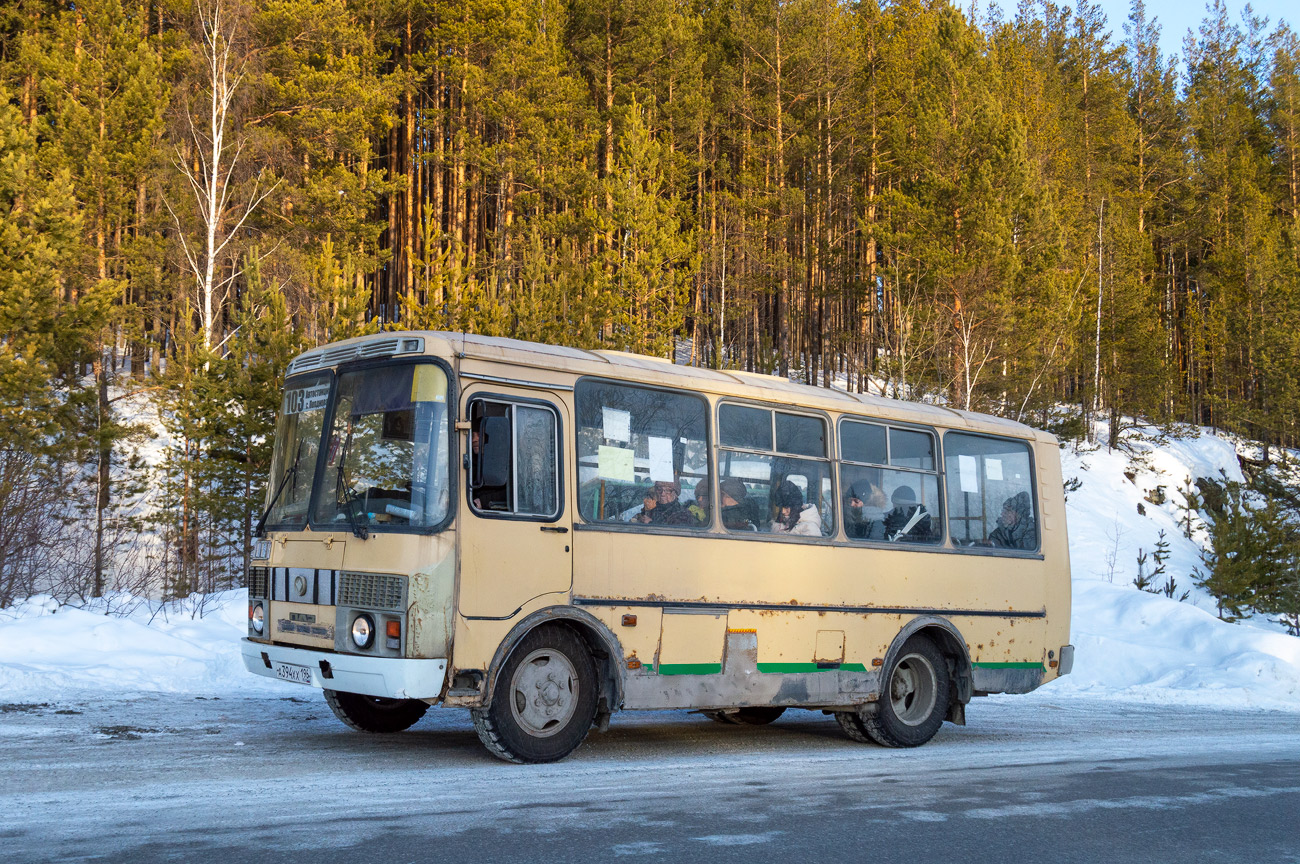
(737, 509)
(908, 521)
(661, 506)
(1016, 524)
(699, 508)
(792, 515)
(864, 510)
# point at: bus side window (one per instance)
(991, 500)
(774, 472)
(891, 486)
(643, 456)
(513, 459)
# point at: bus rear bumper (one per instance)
(388, 677)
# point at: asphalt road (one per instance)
(180, 778)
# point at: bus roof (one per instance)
(654, 370)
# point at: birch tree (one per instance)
(208, 159)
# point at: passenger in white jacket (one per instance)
(792, 515)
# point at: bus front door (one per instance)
(515, 523)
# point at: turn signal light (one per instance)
(394, 629)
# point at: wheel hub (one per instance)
(544, 693)
(913, 690)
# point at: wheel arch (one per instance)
(606, 653)
(952, 645)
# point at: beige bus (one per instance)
(546, 535)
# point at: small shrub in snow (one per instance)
(1191, 504)
(1252, 555)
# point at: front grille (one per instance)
(371, 591)
(257, 580)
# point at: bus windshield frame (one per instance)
(376, 465)
(304, 400)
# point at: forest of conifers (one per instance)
(1028, 212)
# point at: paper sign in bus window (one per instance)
(992, 469)
(618, 424)
(968, 469)
(614, 463)
(661, 459)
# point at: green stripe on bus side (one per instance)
(1008, 665)
(688, 668)
(790, 668)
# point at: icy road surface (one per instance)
(167, 777)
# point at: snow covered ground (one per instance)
(1131, 645)
(1146, 647)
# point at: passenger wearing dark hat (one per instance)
(908, 521)
(662, 507)
(864, 510)
(699, 508)
(737, 509)
(1016, 524)
(792, 515)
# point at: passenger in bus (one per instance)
(737, 509)
(908, 521)
(865, 509)
(1016, 524)
(699, 508)
(792, 515)
(661, 506)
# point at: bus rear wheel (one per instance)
(913, 701)
(374, 713)
(544, 699)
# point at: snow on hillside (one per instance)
(1130, 644)
(1135, 645)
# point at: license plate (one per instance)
(290, 672)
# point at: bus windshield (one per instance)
(297, 441)
(387, 462)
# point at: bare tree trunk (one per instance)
(210, 173)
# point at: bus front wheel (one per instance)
(375, 714)
(913, 700)
(544, 699)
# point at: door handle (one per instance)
(558, 529)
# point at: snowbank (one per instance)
(1135, 645)
(1130, 644)
(192, 646)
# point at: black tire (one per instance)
(374, 713)
(915, 690)
(553, 666)
(851, 723)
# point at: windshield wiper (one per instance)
(343, 496)
(291, 474)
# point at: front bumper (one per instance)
(389, 677)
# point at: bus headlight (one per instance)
(256, 617)
(363, 631)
